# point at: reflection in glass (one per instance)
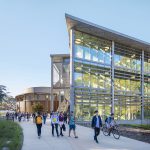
(78, 51)
(78, 79)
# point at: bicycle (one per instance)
(114, 131)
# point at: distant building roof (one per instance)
(42, 90)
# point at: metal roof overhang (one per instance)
(102, 32)
(59, 55)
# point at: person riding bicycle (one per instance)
(110, 122)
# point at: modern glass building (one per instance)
(109, 71)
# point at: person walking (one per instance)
(54, 123)
(65, 117)
(44, 117)
(19, 117)
(72, 124)
(28, 116)
(61, 122)
(96, 124)
(38, 121)
(33, 116)
(110, 122)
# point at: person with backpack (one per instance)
(54, 123)
(61, 122)
(71, 123)
(96, 124)
(38, 121)
(110, 122)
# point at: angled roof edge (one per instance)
(59, 55)
(97, 30)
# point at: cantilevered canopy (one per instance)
(96, 30)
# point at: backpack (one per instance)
(38, 119)
(64, 127)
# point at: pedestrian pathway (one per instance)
(84, 142)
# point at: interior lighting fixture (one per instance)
(133, 56)
(106, 48)
(78, 42)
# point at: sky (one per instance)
(31, 30)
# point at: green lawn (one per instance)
(146, 127)
(10, 135)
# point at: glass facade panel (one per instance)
(78, 79)
(93, 81)
(94, 54)
(87, 54)
(147, 85)
(101, 56)
(127, 107)
(79, 51)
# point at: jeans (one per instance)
(44, 119)
(96, 132)
(39, 126)
(56, 127)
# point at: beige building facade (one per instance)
(33, 95)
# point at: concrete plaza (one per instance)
(84, 142)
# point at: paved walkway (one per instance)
(84, 142)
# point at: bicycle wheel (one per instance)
(116, 134)
(105, 131)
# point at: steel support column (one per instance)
(52, 95)
(112, 77)
(142, 86)
(72, 102)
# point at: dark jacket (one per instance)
(61, 118)
(94, 119)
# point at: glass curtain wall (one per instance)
(92, 79)
(92, 76)
(147, 85)
(61, 73)
(127, 82)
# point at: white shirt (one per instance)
(97, 122)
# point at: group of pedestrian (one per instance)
(22, 116)
(58, 120)
(10, 116)
(18, 116)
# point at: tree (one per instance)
(3, 93)
(37, 107)
(9, 103)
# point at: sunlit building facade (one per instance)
(32, 96)
(109, 71)
(60, 81)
